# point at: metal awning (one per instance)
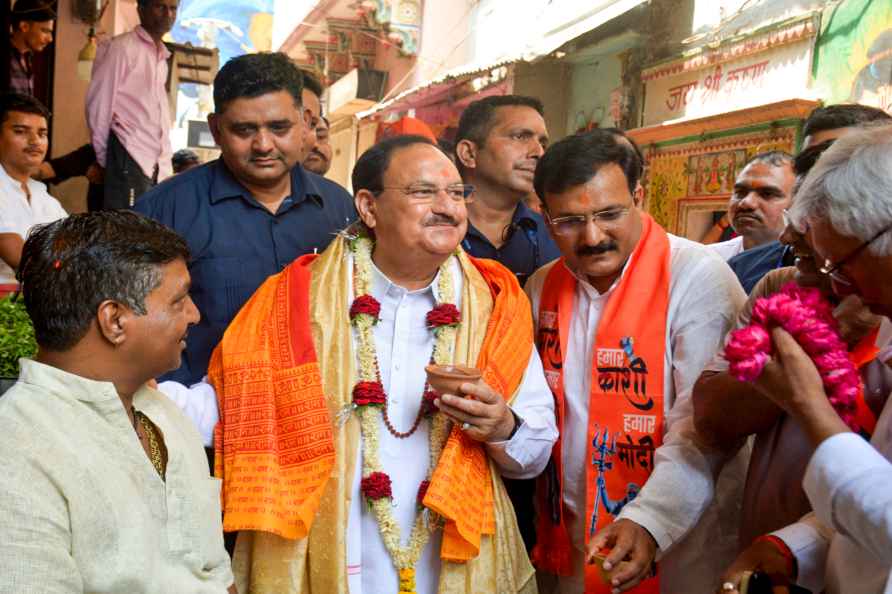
(590, 20)
(451, 78)
(540, 46)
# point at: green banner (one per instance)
(853, 55)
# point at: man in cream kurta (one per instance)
(105, 487)
(82, 509)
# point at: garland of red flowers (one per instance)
(808, 317)
(369, 394)
(367, 305)
(444, 314)
(376, 486)
(370, 404)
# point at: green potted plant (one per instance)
(16, 340)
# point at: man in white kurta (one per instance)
(704, 296)
(404, 343)
(433, 220)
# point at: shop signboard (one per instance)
(764, 69)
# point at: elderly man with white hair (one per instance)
(846, 206)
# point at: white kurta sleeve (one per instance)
(199, 403)
(849, 485)
(526, 453)
(808, 540)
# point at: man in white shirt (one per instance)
(24, 202)
(105, 484)
(762, 190)
(348, 504)
(626, 320)
(844, 547)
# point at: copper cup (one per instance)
(446, 379)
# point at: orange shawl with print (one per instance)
(275, 440)
(625, 423)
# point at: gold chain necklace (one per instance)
(155, 456)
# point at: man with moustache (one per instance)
(32, 24)
(318, 160)
(499, 141)
(762, 191)
(824, 124)
(251, 212)
(25, 202)
(334, 349)
(728, 411)
(127, 106)
(626, 319)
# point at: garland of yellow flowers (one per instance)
(370, 404)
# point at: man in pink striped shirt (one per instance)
(127, 109)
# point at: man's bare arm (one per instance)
(727, 411)
(11, 249)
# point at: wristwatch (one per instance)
(518, 421)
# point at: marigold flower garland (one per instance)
(808, 317)
(370, 402)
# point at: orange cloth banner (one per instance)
(461, 486)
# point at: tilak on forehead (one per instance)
(626, 410)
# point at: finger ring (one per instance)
(465, 426)
(728, 587)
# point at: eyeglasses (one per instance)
(834, 271)
(801, 229)
(423, 194)
(574, 224)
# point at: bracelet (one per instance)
(784, 550)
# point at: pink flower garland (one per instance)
(808, 317)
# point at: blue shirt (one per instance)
(236, 243)
(529, 246)
(752, 264)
